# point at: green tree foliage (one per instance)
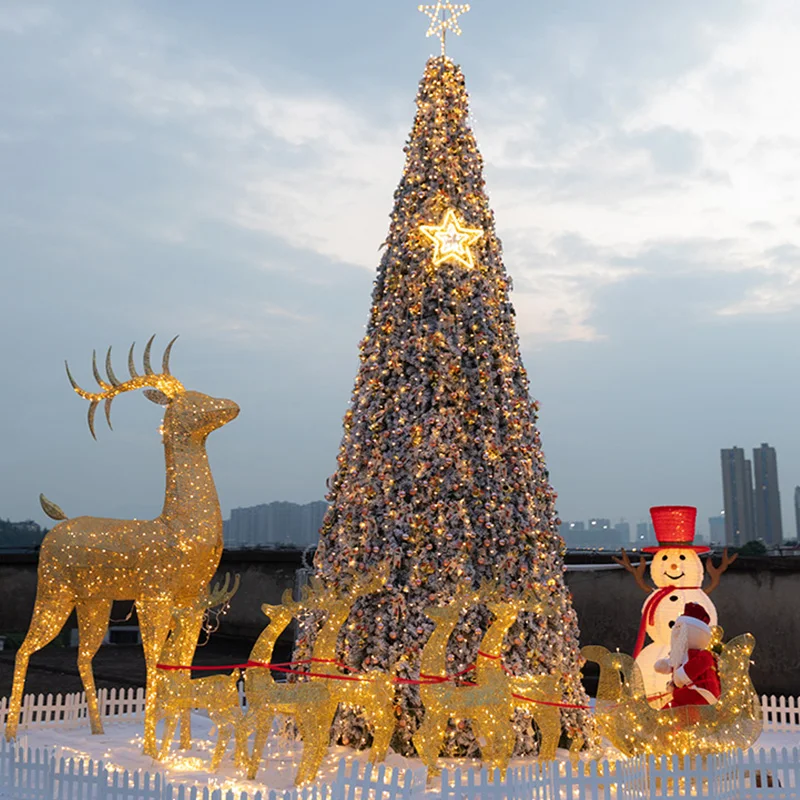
(754, 548)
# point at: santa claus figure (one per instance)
(693, 667)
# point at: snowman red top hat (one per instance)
(675, 528)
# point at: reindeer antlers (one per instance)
(716, 572)
(221, 594)
(112, 386)
(637, 571)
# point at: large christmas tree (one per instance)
(441, 473)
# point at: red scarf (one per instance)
(649, 612)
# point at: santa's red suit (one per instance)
(695, 676)
(697, 681)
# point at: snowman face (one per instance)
(674, 566)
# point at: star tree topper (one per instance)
(440, 25)
(452, 240)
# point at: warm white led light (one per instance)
(452, 240)
(441, 22)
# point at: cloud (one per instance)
(698, 166)
(20, 18)
(300, 165)
(693, 160)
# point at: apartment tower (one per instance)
(769, 524)
(737, 494)
(797, 510)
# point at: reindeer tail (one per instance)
(51, 509)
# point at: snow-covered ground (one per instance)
(121, 748)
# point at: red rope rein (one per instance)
(425, 679)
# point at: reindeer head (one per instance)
(188, 413)
(493, 595)
(286, 611)
(463, 599)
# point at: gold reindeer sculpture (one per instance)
(374, 693)
(267, 697)
(88, 562)
(540, 692)
(178, 693)
(488, 705)
(313, 703)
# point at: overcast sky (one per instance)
(225, 171)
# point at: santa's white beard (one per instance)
(679, 646)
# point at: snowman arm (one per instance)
(716, 572)
(637, 571)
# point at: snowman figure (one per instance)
(677, 572)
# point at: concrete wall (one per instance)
(756, 595)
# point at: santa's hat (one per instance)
(696, 616)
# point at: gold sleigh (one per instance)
(627, 720)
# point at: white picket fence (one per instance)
(780, 713)
(71, 710)
(27, 774)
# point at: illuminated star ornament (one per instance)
(447, 21)
(452, 240)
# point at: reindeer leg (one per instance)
(154, 618)
(316, 733)
(263, 726)
(170, 724)
(499, 739)
(190, 632)
(224, 731)
(241, 733)
(428, 738)
(92, 625)
(548, 721)
(49, 615)
(382, 718)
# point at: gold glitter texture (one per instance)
(177, 693)
(86, 563)
(313, 703)
(634, 727)
(489, 703)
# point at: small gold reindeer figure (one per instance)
(266, 697)
(374, 693)
(178, 693)
(313, 703)
(540, 692)
(488, 704)
(88, 562)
